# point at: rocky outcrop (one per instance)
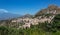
(52, 9)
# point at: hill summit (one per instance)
(51, 9)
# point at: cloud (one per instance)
(3, 11)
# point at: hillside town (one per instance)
(29, 21)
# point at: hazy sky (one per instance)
(25, 6)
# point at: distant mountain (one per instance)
(4, 16)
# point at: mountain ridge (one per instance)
(49, 10)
